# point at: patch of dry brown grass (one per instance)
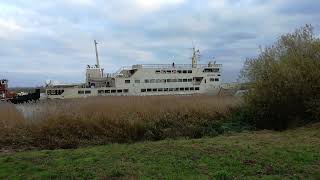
(9, 116)
(101, 120)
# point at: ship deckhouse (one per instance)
(144, 79)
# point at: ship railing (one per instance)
(112, 75)
(159, 66)
(177, 66)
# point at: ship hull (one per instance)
(26, 98)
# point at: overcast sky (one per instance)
(41, 40)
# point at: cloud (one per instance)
(8, 28)
(154, 5)
(51, 38)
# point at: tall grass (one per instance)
(101, 120)
(9, 116)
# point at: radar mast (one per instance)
(97, 56)
(195, 55)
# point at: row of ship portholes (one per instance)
(173, 71)
(112, 91)
(170, 89)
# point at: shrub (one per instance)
(285, 78)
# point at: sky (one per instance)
(53, 40)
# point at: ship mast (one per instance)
(97, 56)
(195, 55)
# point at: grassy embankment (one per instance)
(264, 154)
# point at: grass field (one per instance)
(292, 154)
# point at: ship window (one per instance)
(100, 91)
(179, 71)
(215, 69)
(189, 80)
(187, 89)
(60, 91)
(198, 79)
(160, 89)
(169, 71)
(208, 70)
(137, 81)
(165, 89)
(157, 71)
(181, 89)
(80, 92)
(143, 90)
(163, 71)
(107, 91)
(212, 79)
(127, 81)
(113, 91)
(126, 90)
(189, 71)
(154, 90)
(148, 90)
(184, 71)
(168, 80)
(152, 81)
(192, 88)
(119, 91)
(217, 79)
(219, 74)
(179, 80)
(185, 80)
(174, 80)
(170, 89)
(176, 89)
(197, 88)
(164, 80)
(146, 80)
(158, 80)
(49, 92)
(87, 92)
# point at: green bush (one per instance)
(285, 81)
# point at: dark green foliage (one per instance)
(285, 89)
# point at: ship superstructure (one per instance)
(143, 80)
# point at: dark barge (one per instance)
(7, 95)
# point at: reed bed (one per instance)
(101, 120)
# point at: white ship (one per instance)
(144, 80)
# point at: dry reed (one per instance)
(101, 120)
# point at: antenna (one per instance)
(97, 56)
(195, 56)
